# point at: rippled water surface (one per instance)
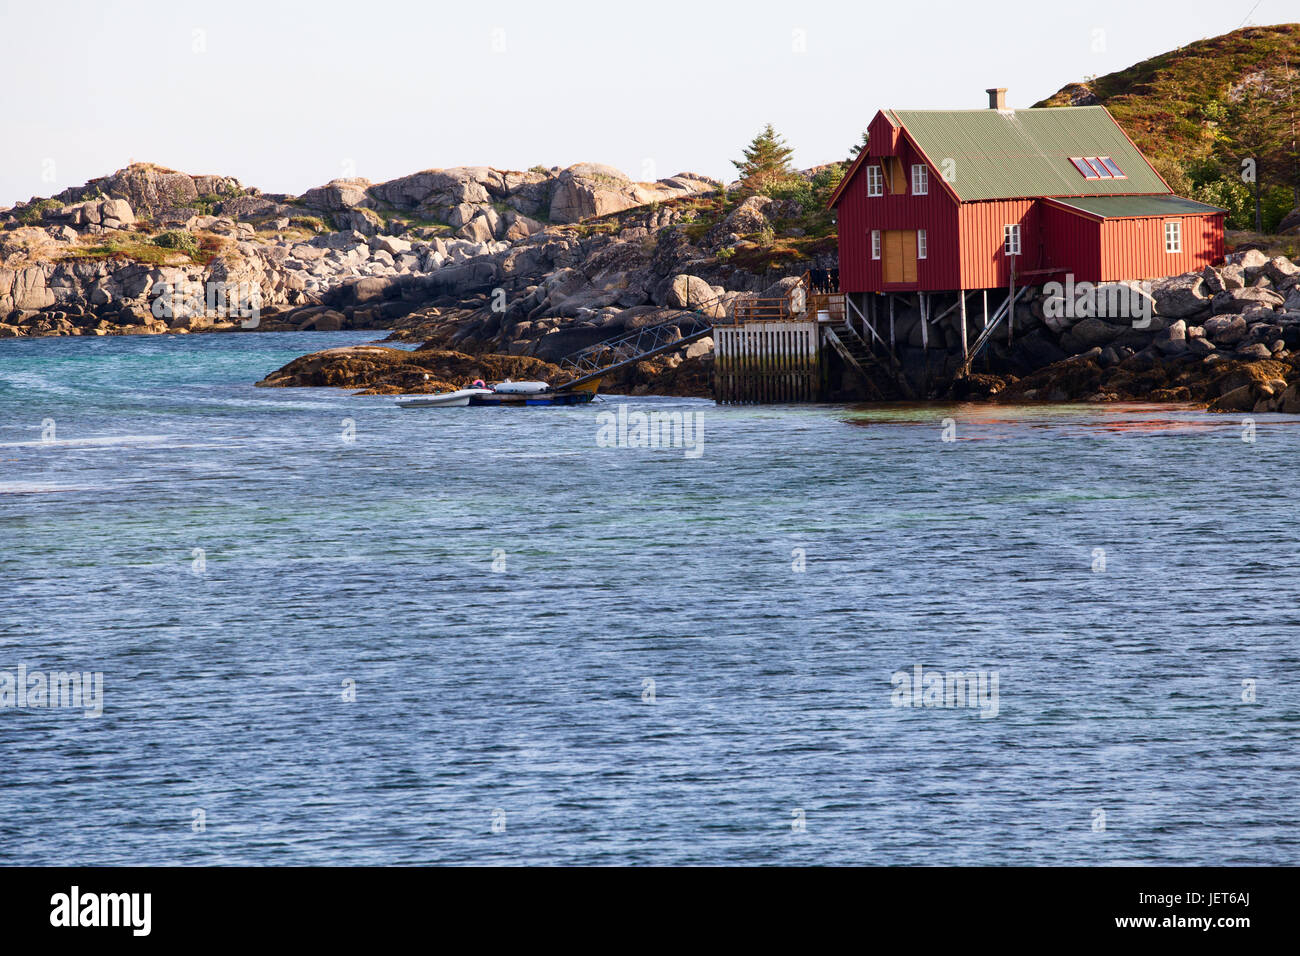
(522, 696)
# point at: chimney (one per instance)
(997, 98)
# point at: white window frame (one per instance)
(1173, 236)
(922, 246)
(875, 181)
(1011, 239)
(875, 243)
(920, 179)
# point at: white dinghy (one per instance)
(455, 399)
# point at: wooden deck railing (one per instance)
(798, 303)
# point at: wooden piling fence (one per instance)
(767, 361)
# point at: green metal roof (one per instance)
(1010, 154)
(1130, 207)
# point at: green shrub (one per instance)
(1230, 193)
(796, 188)
(179, 240)
(31, 215)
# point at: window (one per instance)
(1011, 239)
(920, 179)
(875, 243)
(921, 248)
(1174, 235)
(1084, 168)
(897, 180)
(875, 183)
(1097, 167)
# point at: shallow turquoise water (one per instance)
(520, 695)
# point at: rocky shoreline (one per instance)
(1224, 338)
(350, 254)
(489, 271)
(376, 369)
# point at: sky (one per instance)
(289, 95)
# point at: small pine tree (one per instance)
(1255, 130)
(858, 147)
(766, 162)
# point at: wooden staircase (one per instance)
(857, 354)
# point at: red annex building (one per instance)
(946, 200)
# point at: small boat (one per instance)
(507, 393)
(520, 388)
(459, 398)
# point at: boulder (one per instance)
(461, 213)
(689, 292)
(699, 348)
(748, 217)
(359, 219)
(1173, 340)
(586, 190)
(1089, 333)
(24, 289)
(118, 209)
(1212, 279)
(439, 189)
(326, 321)
(1231, 276)
(370, 290)
(589, 189)
(1180, 296)
(337, 195)
(1241, 399)
(1243, 300)
(1225, 329)
(151, 189)
(390, 244)
(478, 229)
(1252, 260)
(1290, 400)
(519, 226)
(1280, 269)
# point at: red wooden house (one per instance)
(978, 199)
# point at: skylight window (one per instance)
(1097, 167)
(1114, 170)
(1084, 168)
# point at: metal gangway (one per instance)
(627, 348)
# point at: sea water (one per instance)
(331, 631)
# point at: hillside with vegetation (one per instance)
(1200, 111)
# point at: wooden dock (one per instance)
(768, 351)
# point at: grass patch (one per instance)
(782, 252)
(200, 250)
(313, 223)
(128, 248)
(1270, 245)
